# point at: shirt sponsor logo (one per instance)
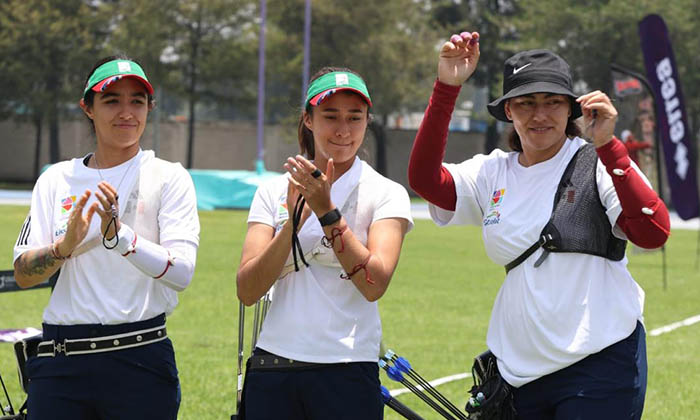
(494, 216)
(61, 231)
(282, 214)
(67, 204)
(282, 211)
(497, 197)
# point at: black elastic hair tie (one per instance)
(296, 218)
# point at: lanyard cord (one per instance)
(113, 208)
(296, 218)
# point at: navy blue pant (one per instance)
(135, 383)
(610, 384)
(339, 391)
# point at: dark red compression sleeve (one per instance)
(644, 217)
(426, 175)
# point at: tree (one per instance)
(207, 34)
(592, 34)
(44, 51)
(143, 30)
(389, 43)
(490, 19)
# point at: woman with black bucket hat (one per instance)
(122, 227)
(556, 211)
(327, 235)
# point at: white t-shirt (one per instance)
(315, 316)
(572, 305)
(99, 286)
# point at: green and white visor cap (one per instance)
(114, 70)
(330, 83)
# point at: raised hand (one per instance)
(458, 58)
(107, 198)
(78, 225)
(599, 117)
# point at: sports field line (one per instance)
(653, 333)
(670, 327)
(435, 382)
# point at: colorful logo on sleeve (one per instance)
(282, 212)
(493, 216)
(67, 204)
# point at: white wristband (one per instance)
(127, 238)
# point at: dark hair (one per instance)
(306, 136)
(572, 130)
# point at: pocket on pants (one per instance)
(157, 358)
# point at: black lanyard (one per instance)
(296, 218)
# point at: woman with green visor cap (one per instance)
(105, 352)
(327, 235)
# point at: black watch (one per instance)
(330, 217)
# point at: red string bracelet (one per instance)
(54, 252)
(356, 269)
(335, 233)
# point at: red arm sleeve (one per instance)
(644, 217)
(426, 175)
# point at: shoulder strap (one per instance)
(548, 235)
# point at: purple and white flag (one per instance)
(675, 137)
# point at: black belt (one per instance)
(274, 362)
(101, 344)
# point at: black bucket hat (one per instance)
(534, 71)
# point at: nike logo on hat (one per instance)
(516, 70)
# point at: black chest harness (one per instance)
(578, 222)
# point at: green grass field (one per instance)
(435, 313)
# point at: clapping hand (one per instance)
(313, 184)
(109, 199)
(78, 225)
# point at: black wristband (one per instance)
(330, 217)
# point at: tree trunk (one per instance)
(379, 131)
(54, 149)
(53, 84)
(492, 137)
(192, 89)
(37, 150)
(190, 128)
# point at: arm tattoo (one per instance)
(36, 262)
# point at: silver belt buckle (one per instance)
(59, 348)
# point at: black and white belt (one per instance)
(70, 347)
